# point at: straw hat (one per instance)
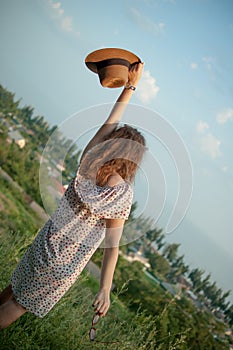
(111, 65)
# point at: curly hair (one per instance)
(121, 152)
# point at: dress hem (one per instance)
(21, 303)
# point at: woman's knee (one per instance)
(10, 312)
(20, 308)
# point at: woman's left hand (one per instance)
(135, 72)
(101, 302)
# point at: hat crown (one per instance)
(112, 65)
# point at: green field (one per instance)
(67, 325)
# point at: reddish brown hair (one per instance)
(121, 152)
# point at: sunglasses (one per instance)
(95, 320)
(92, 332)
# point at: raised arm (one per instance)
(116, 113)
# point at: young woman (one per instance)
(94, 208)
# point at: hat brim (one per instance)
(106, 54)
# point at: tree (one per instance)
(195, 276)
(7, 103)
(71, 162)
(229, 314)
(222, 303)
(170, 251)
(211, 291)
(25, 115)
(178, 268)
(205, 284)
(155, 236)
(159, 264)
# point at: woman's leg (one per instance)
(6, 294)
(10, 311)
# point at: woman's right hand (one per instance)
(135, 72)
(101, 302)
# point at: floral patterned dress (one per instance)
(67, 241)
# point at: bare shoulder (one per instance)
(114, 179)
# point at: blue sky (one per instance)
(187, 47)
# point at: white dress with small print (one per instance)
(67, 241)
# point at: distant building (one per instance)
(153, 277)
(183, 282)
(59, 187)
(138, 257)
(14, 135)
(60, 167)
(192, 295)
(194, 299)
(171, 289)
(30, 132)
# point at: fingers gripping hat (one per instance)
(111, 65)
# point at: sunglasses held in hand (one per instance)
(92, 332)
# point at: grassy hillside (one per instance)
(153, 312)
(67, 325)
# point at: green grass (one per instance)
(67, 324)
(15, 214)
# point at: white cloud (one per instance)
(209, 60)
(210, 145)
(201, 127)
(193, 65)
(66, 24)
(146, 23)
(161, 26)
(147, 88)
(58, 13)
(224, 168)
(212, 69)
(56, 8)
(55, 5)
(225, 115)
